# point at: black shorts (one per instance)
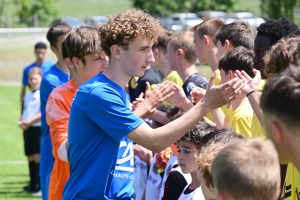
(32, 140)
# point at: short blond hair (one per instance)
(248, 169)
(184, 41)
(33, 71)
(126, 26)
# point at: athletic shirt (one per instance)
(32, 106)
(227, 109)
(99, 121)
(140, 177)
(152, 76)
(191, 194)
(57, 116)
(173, 167)
(291, 187)
(175, 78)
(53, 78)
(132, 85)
(195, 80)
(256, 129)
(241, 120)
(44, 68)
(153, 182)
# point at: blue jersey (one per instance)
(53, 78)
(99, 121)
(44, 68)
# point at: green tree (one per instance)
(44, 10)
(167, 7)
(279, 8)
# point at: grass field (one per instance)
(13, 164)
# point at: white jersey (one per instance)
(188, 194)
(140, 178)
(153, 182)
(32, 106)
(172, 165)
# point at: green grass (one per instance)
(12, 176)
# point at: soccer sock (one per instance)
(32, 174)
(37, 174)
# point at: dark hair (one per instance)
(57, 30)
(224, 135)
(64, 50)
(209, 27)
(281, 96)
(197, 132)
(83, 41)
(238, 58)
(277, 29)
(40, 45)
(239, 33)
(162, 41)
(165, 109)
(281, 55)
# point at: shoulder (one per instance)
(28, 67)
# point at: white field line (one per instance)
(13, 162)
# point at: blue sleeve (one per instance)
(47, 85)
(25, 77)
(109, 111)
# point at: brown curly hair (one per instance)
(126, 26)
(281, 55)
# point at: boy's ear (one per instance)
(228, 45)
(76, 62)
(223, 196)
(116, 51)
(180, 53)
(69, 63)
(156, 52)
(231, 74)
(206, 38)
(277, 131)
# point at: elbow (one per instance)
(157, 147)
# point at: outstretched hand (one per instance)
(197, 94)
(250, 83)
(217, 96)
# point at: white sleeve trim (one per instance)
(63, 153)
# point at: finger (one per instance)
(257, 74)
(241, 76)
(148, 89)
(229, 84)
(142, 94)
(212, 80)
(246, 75)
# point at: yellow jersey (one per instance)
(174, 77)
(291, 187)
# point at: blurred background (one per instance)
(23, 23)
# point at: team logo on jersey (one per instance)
(127, 156)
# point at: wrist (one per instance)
(251, 92)
(187, 105)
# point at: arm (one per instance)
(57, 116)
(22, 95)
(254, 97)
(34, 119)
(157, 139)
(219, 117)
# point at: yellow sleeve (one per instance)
(256, 129)
(174, 77)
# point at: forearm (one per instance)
(22, 98)
(254, 100)
(220, 119)
(36, 118)
(160, 138)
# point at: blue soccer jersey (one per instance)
(44, 68)
(100, 156)
(53, 78)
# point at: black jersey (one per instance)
(195, 80)
(152, 76)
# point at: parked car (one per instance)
(249, 17)
(188, 20)
(95, 21)
(74, 22)
(207, 14)
(171, 25)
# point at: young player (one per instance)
(54, 77)
(279, 102)
(40, 50)
(100, 117)
(86, 60)
(30, 122)
(240, 121)
(211, 144)
(181, 57)
(236, 175)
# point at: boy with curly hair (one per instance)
(100, 116)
